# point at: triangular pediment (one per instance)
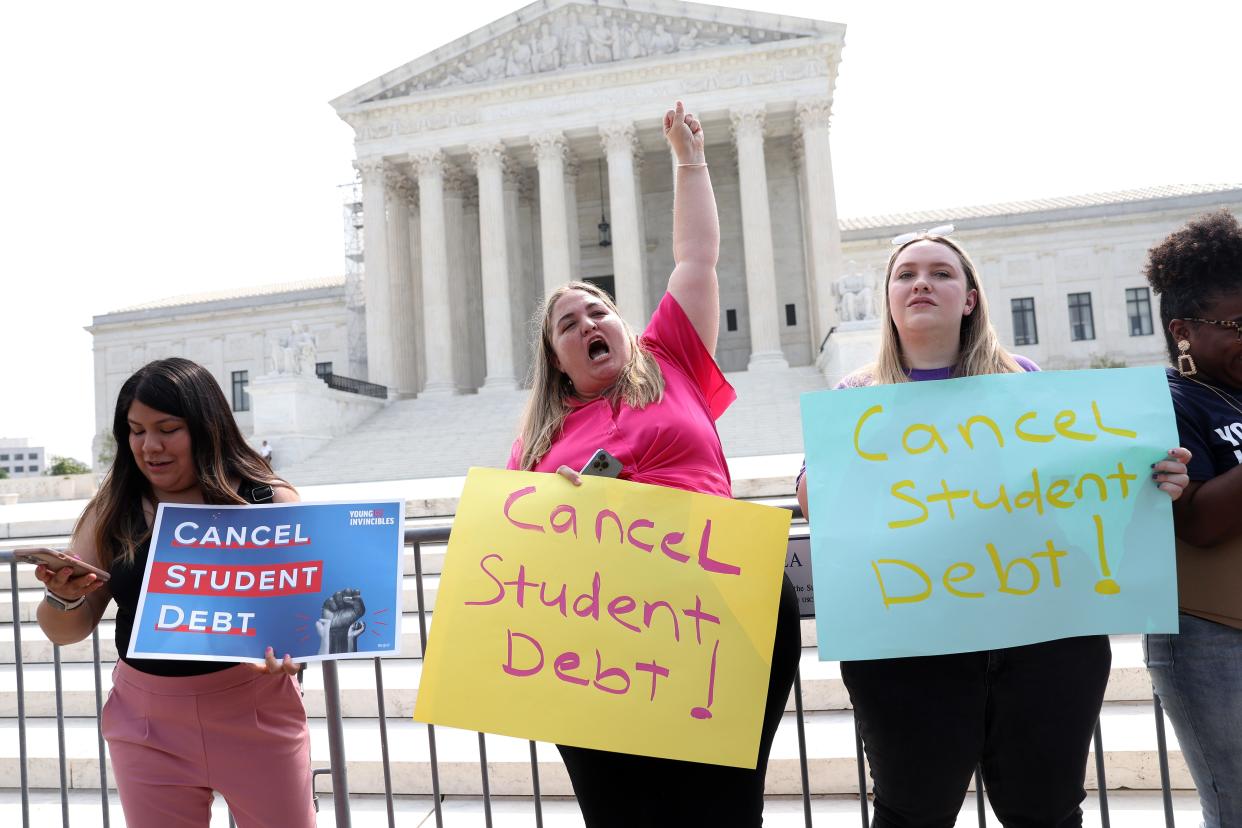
(561, 36)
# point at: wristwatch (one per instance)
(62, 604)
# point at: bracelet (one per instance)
(695, 164)
(62, 604)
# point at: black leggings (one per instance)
(628, 791)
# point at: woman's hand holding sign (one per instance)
(1170, 475)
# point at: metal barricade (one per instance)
(415, 539)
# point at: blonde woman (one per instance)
(1026, 714)
(652, 402)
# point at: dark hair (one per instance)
(1194, 266)
(187, 390)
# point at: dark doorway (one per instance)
(605, 283)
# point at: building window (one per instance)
(1024, 330)
(1138, 309)
(1082, 323)
(322, 369)
(18, 469)
(731, 320)
(19, 457)
(241, 400)
(608, 284)
(4, 457)
(791, 315)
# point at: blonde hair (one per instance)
(639, 383)
(979, 349)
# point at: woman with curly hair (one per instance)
(1197, 673)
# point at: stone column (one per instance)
(464, 292)
(620, 143)
(376, 264)
(571, 216)
(761, 300)
(523, 292)
(819, 219)
(437, 332)
(416, 281)
(489, 162)
(550, 151)
(401, 288)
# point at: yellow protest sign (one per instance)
(614, 615)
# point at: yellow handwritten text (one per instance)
(919, 438)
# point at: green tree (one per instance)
(62, 466)
(4, 474)
(107, 450)
(1106, 361)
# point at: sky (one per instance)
(150, 149)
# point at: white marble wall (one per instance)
(224, 336)
(1102, 253)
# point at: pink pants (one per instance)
(174, 740)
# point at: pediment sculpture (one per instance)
(577, 37)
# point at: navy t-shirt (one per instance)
(1207, 425)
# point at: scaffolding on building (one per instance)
(355, 273)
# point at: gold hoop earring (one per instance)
(1185, 362)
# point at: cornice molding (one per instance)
(761, 67)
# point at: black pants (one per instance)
(627, 791)
(1026, 714)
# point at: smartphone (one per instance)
(56, 561)
(602, 464)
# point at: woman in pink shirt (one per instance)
(652, 401)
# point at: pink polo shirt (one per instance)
(670, 443)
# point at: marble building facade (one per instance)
(237, 335)
(490, 162)
(484, 170)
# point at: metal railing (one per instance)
(355, 386)
(415, 539)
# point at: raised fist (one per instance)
(341, 624)
(684, 134)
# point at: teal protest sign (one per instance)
(988, 512)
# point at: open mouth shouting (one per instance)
(597, 349)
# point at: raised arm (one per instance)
(696, 228)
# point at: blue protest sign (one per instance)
(317, 581)
(988, 512)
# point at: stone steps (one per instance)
(822, 688)
(478, 430)
(1129, 809)
(470, 430)
(1128, 728)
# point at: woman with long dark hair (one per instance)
(1025, 714)
(1197, 673)
(177, 730)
